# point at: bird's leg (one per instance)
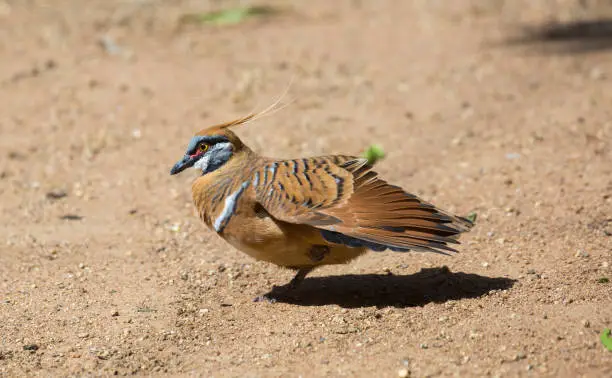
(298, 278)
(280, 291)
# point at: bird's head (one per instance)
(211, 148)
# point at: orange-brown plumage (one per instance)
(303, 213)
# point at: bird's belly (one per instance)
(285, 244)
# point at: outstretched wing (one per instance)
(344, 198)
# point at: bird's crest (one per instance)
(236, 122)
(275, 107)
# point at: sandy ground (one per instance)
(105, 269)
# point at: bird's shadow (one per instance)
(573, 37)
(435, 285)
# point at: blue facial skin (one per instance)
(218, 154)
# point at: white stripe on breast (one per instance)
(229, 208)
(256, 179)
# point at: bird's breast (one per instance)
(230, 209)
(263, 238)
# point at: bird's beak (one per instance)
(184, 163)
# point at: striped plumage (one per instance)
(303, 213)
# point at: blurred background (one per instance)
(497, 108)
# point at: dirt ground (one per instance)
(105, 269)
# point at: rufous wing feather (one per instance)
(343, 197)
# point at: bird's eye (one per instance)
(203, 147)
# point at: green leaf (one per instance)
(603, 280)
(605, 338)
(472, 216)
(374, 153)
(229, 16)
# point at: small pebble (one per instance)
(115, 313)
(31, 347)
(475, 335)
(56, 194)
(136, 134)
(73, 217)
(581, 253)
(586, 323)
(108, 44)
(403, 373)
(83, 335)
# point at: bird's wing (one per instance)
(344, 198)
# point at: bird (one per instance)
(304, 213)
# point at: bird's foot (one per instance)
(264, 298)
(281, 292)
(277, 292)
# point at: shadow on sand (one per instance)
(577, 37)
(436, 285)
